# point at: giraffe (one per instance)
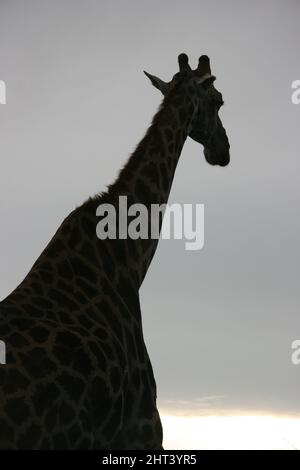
(77, 372)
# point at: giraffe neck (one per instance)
(148, 175)
(145, 179)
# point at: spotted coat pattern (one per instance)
(78, 375)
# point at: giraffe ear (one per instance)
(158, 83)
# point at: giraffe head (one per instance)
(206, 125)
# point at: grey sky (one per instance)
(219, 323)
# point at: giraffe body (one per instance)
(77, 372)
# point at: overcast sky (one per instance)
(219, 322)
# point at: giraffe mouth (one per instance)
(221, 159)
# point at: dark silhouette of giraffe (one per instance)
(77, 372)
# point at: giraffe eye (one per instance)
(219, 103)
